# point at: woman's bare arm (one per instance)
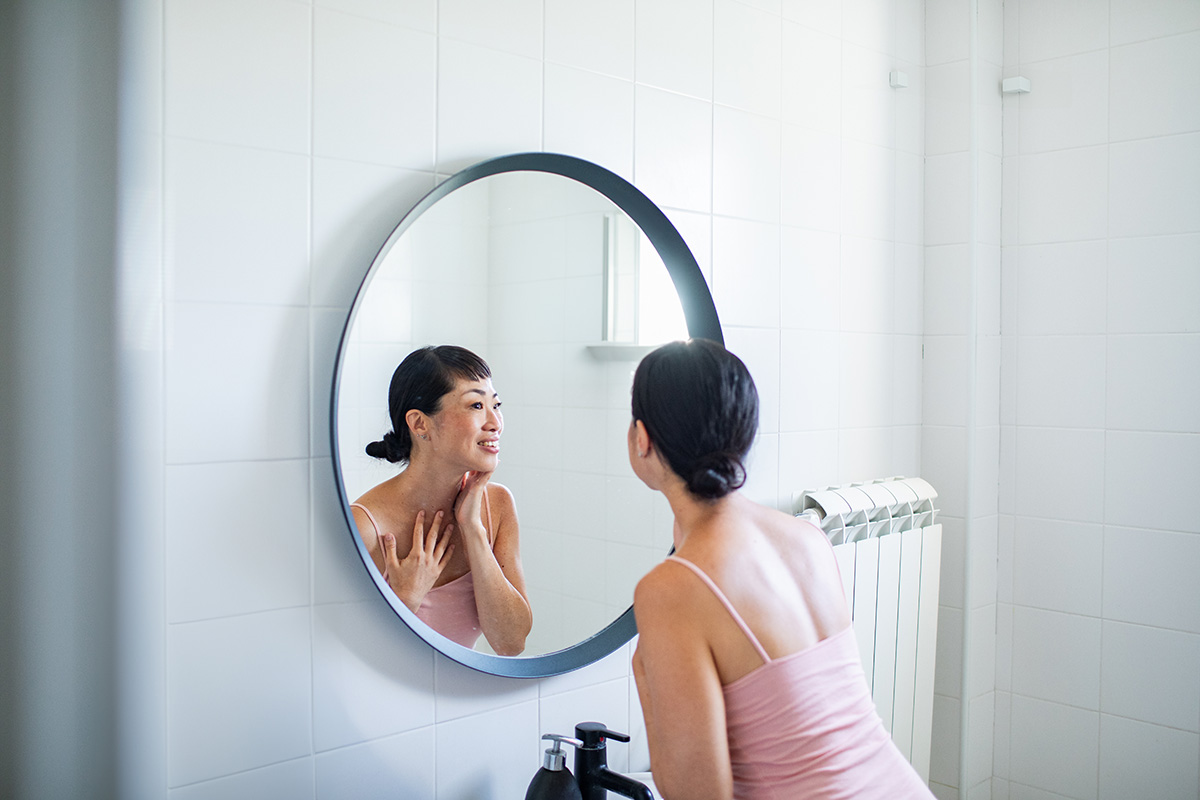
(680, 691)
(504, 613)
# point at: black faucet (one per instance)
(596, 780)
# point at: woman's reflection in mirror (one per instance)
(443, 536)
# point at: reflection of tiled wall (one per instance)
(294, 136)
(588, 524)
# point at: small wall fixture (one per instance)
(1016, 86)
(898, 79)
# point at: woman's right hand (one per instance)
(413, 576)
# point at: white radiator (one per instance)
(889, 548)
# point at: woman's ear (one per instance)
(641, 439)
(418, 424)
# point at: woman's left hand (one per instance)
(468, 506)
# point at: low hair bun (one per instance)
(716, 475)
(392, 448)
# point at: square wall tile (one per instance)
(1069, 107)
(807, 461)
(759, 350)
(1152, 186)
(238, 694)
(489, 102)
(1147, 387)
(864, 453)
(590, 116)
(868, 285)
(237, 538)
(870, 24)
(463, 693)
(1148, 81)
(947, 32)
(595, 37)
(944, 371)
(947, 108)
(1054, 28)
(236, 383)
(1153, 283)
(1055, 748)
(1048, 273)
(943, 455)
(946, 199)
(1056, 657)
(1140, 760)
(289, 780)
(809, 273)
(947, 290)
(747, 58)
(868, 100)
(1060, 381)
(464, 767)
(1057, 565)
(355, 207)
(1136, 559)
(339, 575)
(374, 91)
(815, 104)
(1149, 479)
(514, 27)
(377, 768)
(1137, 20)
(1063, 196)
(419, 15)
(672, 150)
(910, 195)
(674, 45)
(746, 165)
(808, 403)
(824, 17)
(745, 272)
(1150, 674)
(238, 72)
(1060, 474)
(868, 190)
(372, 677)
(236, 224)
(811, 179)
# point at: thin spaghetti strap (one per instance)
(370, 516)
(737, 618)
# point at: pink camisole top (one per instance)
(450, 608)
(804, 725)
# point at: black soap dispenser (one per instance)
(554, 781)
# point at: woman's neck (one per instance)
(429, 488)
(693, 514)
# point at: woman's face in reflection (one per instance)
(466, 429)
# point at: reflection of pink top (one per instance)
(450, 608)
(804, 725)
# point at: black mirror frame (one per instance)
(702, 323)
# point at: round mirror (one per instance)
(561, 275)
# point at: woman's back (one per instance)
(778, 571)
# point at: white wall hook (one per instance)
(1016, 86)
(898, 79)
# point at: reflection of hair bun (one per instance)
(716, 475)
(392, 448)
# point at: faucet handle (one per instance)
(593, 734)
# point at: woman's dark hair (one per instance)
(700, 408)
(420, 382)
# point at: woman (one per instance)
(445, 539)
(746, 664)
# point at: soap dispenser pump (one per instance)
(554, 781)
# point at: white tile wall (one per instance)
(1098, 267)
(295, 136)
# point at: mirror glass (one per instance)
(560, 275)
